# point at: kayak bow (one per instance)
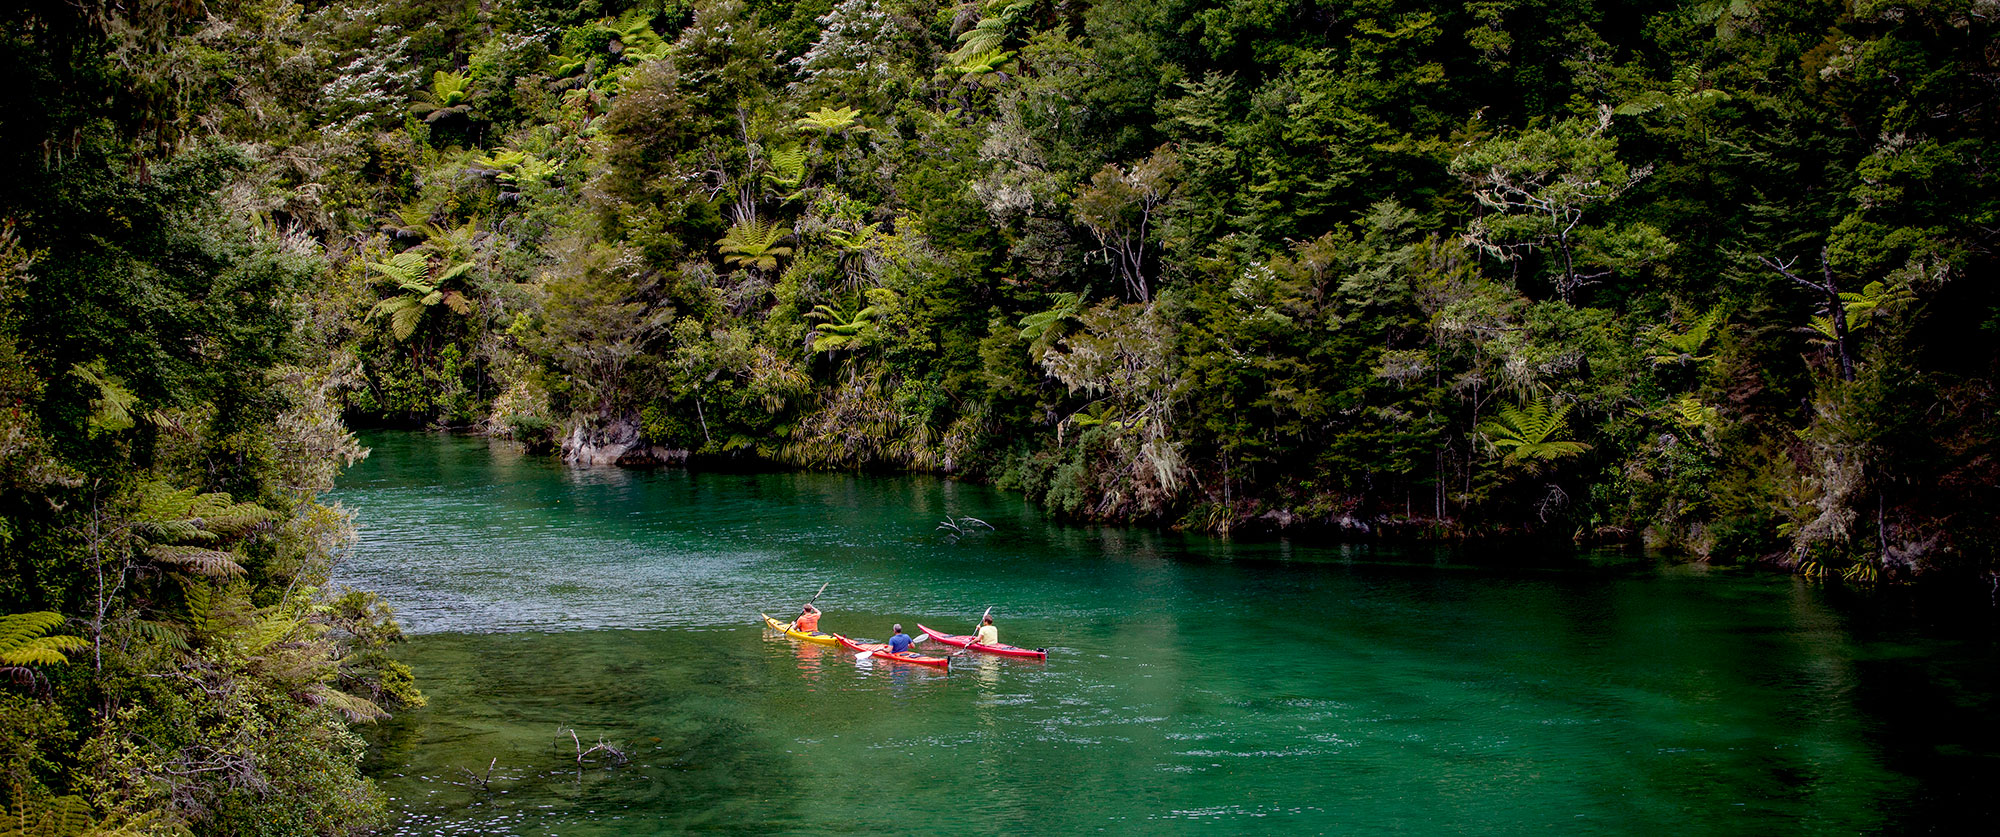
(881, 652)
(964, 641)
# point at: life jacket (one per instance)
(807, 622)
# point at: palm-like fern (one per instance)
(637, 41)
(846, 241)
(111, 410)
(1690, 413)
(1683, 346)
(22, 642)
(450, 95)
(1041, 330)
(410, 271)
(978, 68)
(1873, 298)
(839, 330)
(991, 31)
(68, 816)
(787, 169)
(830, 121)
(1531, 433)
(986, 37)
(1686, 96)
(754, 244)
(179, 528)
(562, 65)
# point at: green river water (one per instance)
(1193, 686)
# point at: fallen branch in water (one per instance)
(959, 527)
(613, 755)
(482, 782)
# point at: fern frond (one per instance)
(452, 272)
(830, 120)
(986, 37)
(1530, 433)
(166, 633)
(268, 631)
(111, 410)
(357, 709)
(22, 643)
(406, 269)
(208, 562)
(403, 313)
(788, 167)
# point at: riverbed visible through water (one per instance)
(1193, 685)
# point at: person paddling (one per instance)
(988, 635)
(899, 642)
(808, 621)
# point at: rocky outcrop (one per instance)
(615, 442)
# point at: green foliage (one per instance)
(421, 286)
(22, 642)
(755, 244)
(69, 816)
(449, 96)
(831, 120)
(1541, 185)
(1684, 345)
(1531, 433)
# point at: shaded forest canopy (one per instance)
(1713, 276)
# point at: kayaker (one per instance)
(988, 635)
(808, 620)
(899, 642)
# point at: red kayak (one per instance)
(882, 652)
(964, 641)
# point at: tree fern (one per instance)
(986, 37)
(830, 120)
(787, 169)
(1684, 345)
(178, 528)
(837, 330)
(1531, 433)
(992, 62)
(22, 642)
(754, 244)
(354, 708)
(411, 272)
(1035, 327)
(194, 559)
(111, 410)
(67, 816)
(450, 95)
(636, 39)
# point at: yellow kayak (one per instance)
(815, 636)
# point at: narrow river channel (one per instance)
(1193, 686)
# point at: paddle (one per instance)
(822, 589)
(975, 631)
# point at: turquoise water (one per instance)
(1193, 686)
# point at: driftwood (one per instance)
(959, 527)
(612, 755)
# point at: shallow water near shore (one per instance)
(1192, 685)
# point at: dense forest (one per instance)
(1707, 276)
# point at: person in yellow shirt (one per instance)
(988, 635)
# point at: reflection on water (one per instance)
(1192, 685)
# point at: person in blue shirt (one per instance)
(900, 642)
